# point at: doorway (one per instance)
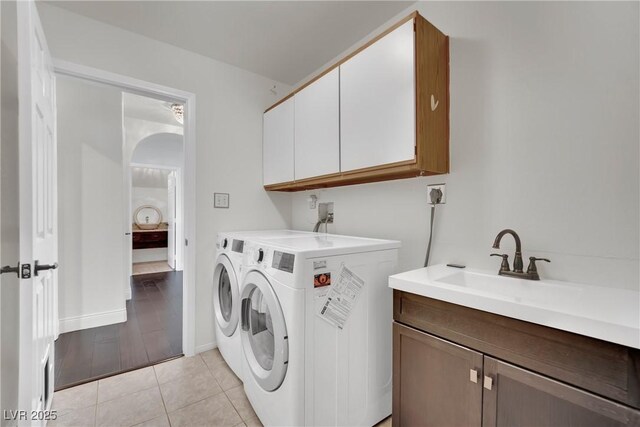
(155, 196)
(150, 324)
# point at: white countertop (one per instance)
(606, 313)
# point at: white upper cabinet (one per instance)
(317, 127)
(277, 143)
(377, 102)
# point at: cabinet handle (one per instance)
(473, 376)
(488, 382)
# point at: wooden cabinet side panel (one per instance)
(521, 397)
(432, 80)
(603, 368)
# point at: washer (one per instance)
(226, 290)
(300, 369)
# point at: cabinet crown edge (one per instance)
(415, 15)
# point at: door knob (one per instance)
(42, 267)
(9, 269)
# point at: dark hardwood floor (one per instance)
(152, 333)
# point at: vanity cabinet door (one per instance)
(518, 397)
(435, 382)
(277, 143)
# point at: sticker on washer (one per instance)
(322, 279)
(341, 298)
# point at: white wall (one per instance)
(230, 102)
(90, 192)
(9, 215)
(544, 139)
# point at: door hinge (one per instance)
(186, 242)
(25, 271)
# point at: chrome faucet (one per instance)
(532, 271)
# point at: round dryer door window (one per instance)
(264, 333)
(226, 298)
(224, 294)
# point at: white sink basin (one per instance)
(605, 313)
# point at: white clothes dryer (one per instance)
(306, 366)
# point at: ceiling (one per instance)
(150, 109)
(282, 40)
(149, 177)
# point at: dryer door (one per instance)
(264, 332)
(226, 297)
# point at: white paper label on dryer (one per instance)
(341, 298)
(319, 264)
(320, 293)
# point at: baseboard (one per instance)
(206, 347)
(94, 320)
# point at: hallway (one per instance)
(152, 333)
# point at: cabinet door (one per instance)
(377, 102)
(435, 382)
(518, 397)
(317, 127)
(277, 144)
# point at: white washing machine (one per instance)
(307, 366)
(226, 290)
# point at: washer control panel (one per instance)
(237, 245)
(283, 261)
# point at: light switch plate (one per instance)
(221, 200)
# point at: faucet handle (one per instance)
(505, 262)
(532, 269)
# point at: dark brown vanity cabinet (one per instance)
(455, 366)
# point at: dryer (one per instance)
(302, 366)
(226, 290)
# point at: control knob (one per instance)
(259, 255)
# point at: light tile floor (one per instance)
(189, 391)
(150, 267)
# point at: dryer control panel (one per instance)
(283, 261)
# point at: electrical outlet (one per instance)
(442, 188)
(221, 200)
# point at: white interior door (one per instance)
(171, 220)
(38, 212)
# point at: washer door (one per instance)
(264, 332)
(226, 298)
